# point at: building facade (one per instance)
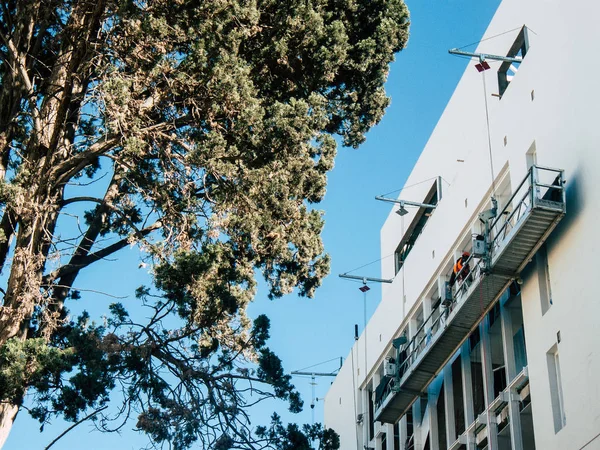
(504, 354)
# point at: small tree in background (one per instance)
(198, 131)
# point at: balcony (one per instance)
(512, 238)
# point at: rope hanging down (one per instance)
(402, 268)
(489, 136)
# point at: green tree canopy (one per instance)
(200, 132)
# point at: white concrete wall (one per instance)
(564, 121)
(340, 408)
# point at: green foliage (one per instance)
(73, 374)
(260, 331)
(30, 362)
(271, 370)
(212, 127)
(79, 371)
(291, 437)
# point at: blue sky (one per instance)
(304, 331)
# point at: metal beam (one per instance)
(365, 279)
(405, 202)
(313, 374)
(483, 56)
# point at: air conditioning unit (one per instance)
(389, 369)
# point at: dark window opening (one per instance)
(474, 339)
(477, 373)
(423, 400)
(494, 314)
(514, 289)
(520, 349)
(410, 431)
(459, 411)
(500, 381)
(427, 446)
(478, 387)
(397, 436)
(371, 418)
(441, 418)
(415, 229)
(508, 69)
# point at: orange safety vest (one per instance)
(458, 266)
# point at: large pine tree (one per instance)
(199, 131)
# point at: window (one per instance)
(531, 156)
(520, 349)
(541, 260)
(508, 69)
(435, 313)
(415, 229)
(419, 338)
(556, 392)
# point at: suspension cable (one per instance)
(409, 186)
(491, 37)
(402, 268)
(365, 330)
(489, 136)
(369, 263)
(320, 364)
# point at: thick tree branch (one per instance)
(84, 261)
(89, 416)
(68, 201)
(21, 72)
(19, 59)
(63, 172)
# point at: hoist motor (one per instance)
(478, 246)
(389, 369)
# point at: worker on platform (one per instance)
(461, 270)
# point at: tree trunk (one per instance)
(8, 414)
(23, 287)
(33, 221)
(24, 282)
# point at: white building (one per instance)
(513, 361)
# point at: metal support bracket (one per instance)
(510, 396)
(466, 438)
(483, 56)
